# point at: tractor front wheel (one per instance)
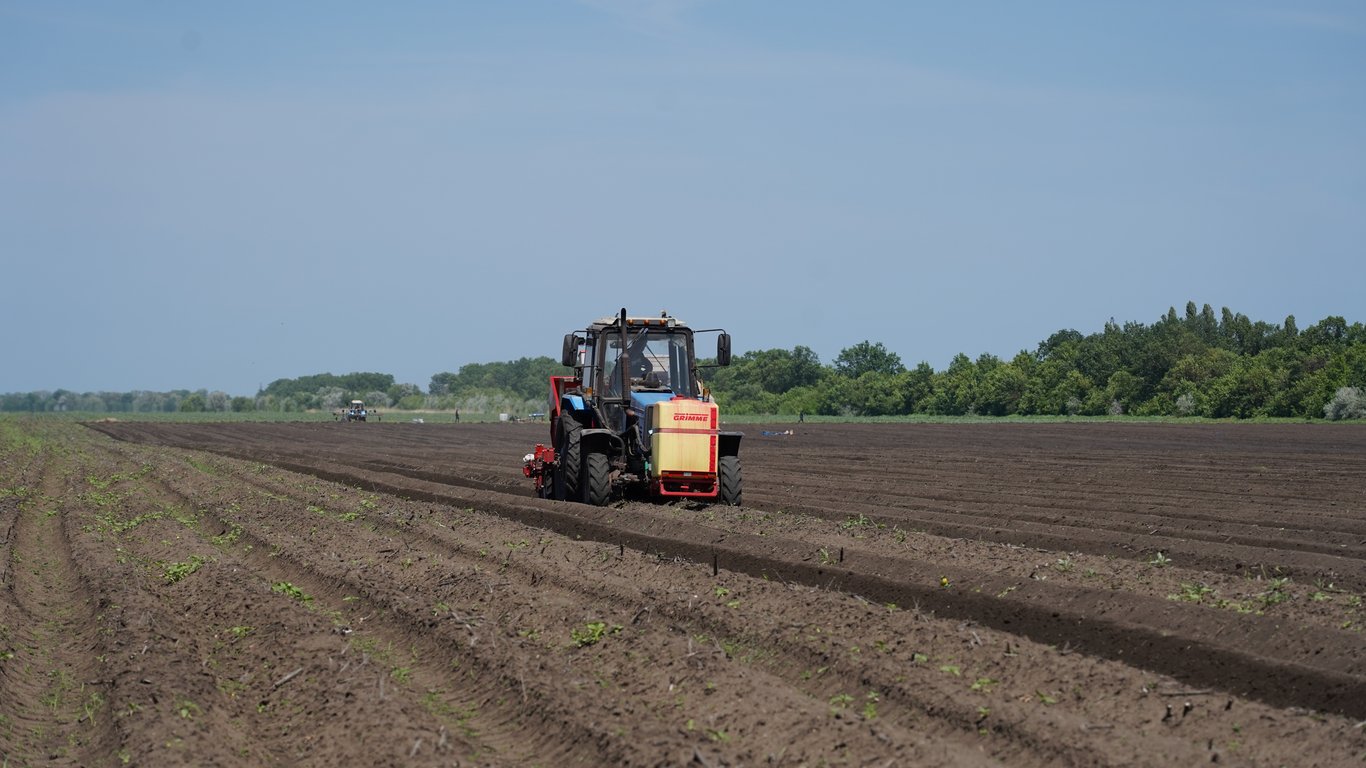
(729, 481)
(597, 479)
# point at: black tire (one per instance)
(567, 458)
(597, 479)
(729, 481)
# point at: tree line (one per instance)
(1194, 364)
(517, 386)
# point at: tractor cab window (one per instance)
(658, 362)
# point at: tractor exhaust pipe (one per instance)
(624, 362)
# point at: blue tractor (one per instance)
(635, 421)
(356, 411)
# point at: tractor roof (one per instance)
(663, 320)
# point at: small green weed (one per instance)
(224, 539)
(870, 705)
(1276, 593)
(856, 522)
(174, 572)
(285, 588)
(1192, 593)
(591, 633)
(984, 684)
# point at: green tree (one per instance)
(1245, 391)
(1000, 390)
(352, 385)
(1072, 394)
(399, 391)
(779, 370)
(955, 389)
(1330, 332)
(875, 393)
(1123, 391)
(917, 386)
(1047, 375)
(526, 377)
(867, 357)
(1066, 338)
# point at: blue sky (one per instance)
(213, 195)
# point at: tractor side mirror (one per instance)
(569, 352)
(723, 349)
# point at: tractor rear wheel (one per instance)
(568, 453)
(729, 481)
(597, 479)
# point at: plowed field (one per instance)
(392, 594)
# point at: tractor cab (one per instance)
(657, 360)
(633, 363)
(649, 364)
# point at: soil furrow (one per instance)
(384, 664)
(1089, 625)
(1013, 732)
(1226, 553)
(731, 634)
(589, 591)
(54, 709)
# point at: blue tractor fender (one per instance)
(601, 441)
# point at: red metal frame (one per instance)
(558, 386)
(694, 486)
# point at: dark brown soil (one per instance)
(392, 594)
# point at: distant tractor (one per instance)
(635, 421)
(356, 411)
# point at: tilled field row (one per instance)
(1282, 664)
(941, 649)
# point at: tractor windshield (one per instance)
(658, 360)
